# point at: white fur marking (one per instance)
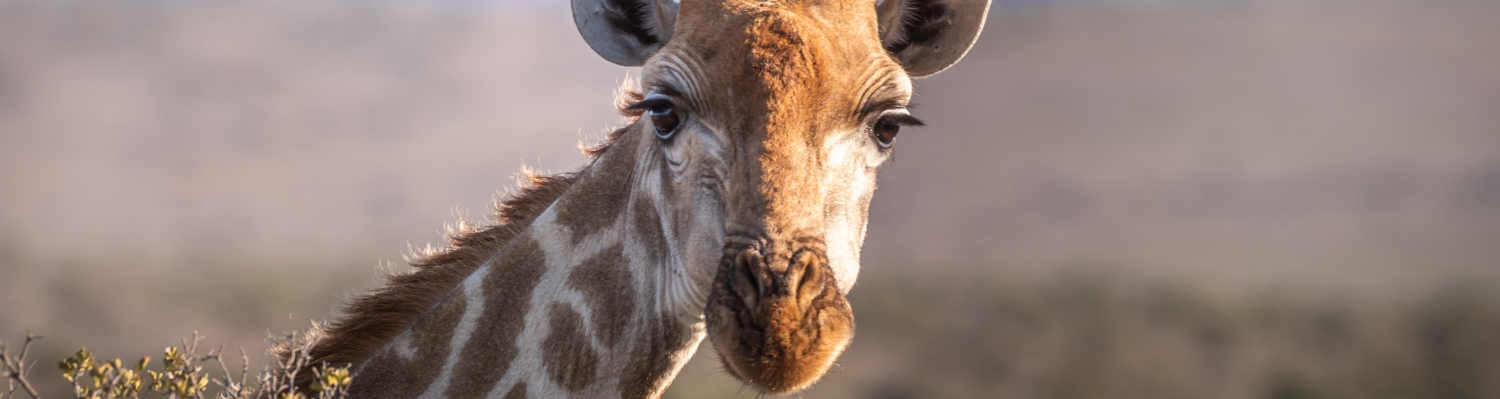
(402, 346)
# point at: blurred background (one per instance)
(1113, 199)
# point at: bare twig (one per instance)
(16, 368)
(231, 388)
(244, 367)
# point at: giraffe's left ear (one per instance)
(928, 36)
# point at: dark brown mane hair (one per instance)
(374, 319)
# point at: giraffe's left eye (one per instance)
(885, 132)
(886, 127)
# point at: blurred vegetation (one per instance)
(1089, 335)
(182, 375)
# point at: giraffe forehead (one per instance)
(851, 10)
(777, 68)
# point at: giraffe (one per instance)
(731, 205)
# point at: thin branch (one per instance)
(244, 367)
(27, 347)
(227, 382)
(16, 369)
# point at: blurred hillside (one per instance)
(238, 167)
(1347, 145)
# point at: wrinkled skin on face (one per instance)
(773, 148)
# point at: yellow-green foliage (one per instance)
(110, 379)
(331, 379)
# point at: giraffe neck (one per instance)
(586, 302)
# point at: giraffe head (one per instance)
(764, 122)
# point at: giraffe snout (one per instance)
(777, 319)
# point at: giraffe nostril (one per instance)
(760, 279)
(808, 269)
(748, 281)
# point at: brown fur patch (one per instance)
(600, 198)
(779, 54)
(604, 280)
(570, 358)
(507, 293)
(371, 320)
(648, 230)
(395, 377)
(650, 359)
(517, 391)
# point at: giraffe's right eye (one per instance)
(664, 118)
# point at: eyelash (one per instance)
(649, 103)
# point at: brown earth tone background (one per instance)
(1113, 199)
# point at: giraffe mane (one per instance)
(370, 321)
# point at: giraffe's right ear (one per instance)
(928, 36)
(625, 32)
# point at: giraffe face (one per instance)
(771, 151)
(766, 123)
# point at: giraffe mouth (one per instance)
(777, 321)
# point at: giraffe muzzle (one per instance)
(777, 320)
